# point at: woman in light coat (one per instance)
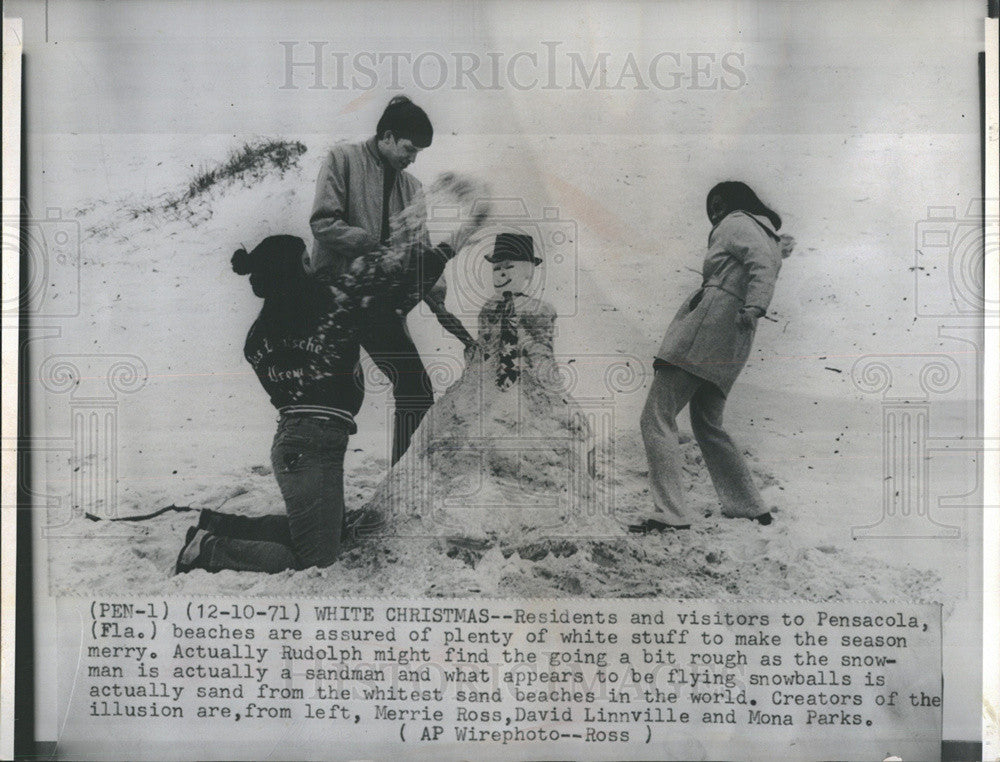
(706, 347)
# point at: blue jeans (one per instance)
(308, 461)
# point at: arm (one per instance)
(748, 243)
(329, 212)
(481, 323)
(408, 227)
(423, 236)
(435, 300)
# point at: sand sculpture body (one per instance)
(505, 456)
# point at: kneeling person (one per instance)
(304, 347)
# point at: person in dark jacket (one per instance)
(360, 187)
(304, 347)
(704, 350)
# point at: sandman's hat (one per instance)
(513, 247)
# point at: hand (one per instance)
(748, 317)
(787, 244)
(471, 226)
(464, 234)
(447, 249)
(410, 223)
(471, 350)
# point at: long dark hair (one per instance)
(293, 302)
(740, 196)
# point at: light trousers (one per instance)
(672, 389)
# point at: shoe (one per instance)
(190, 554)
(654, 525)
(763, 519)
(206, 517)
(361, 522)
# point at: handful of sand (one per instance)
(787, 245)
(450, 190)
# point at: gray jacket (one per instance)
(347, 213)
(347, 217)
(741, 270)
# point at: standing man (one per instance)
(360, 187)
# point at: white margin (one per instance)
(12, 48)
(991, 413)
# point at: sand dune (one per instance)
(158, 286)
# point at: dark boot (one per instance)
(191, 555)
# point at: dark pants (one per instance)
(308, 461)
(388, 343)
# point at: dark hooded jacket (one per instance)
(304, 344)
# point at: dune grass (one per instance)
(252, 161)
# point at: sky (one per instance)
(737, 67)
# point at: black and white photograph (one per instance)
(656, 308)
